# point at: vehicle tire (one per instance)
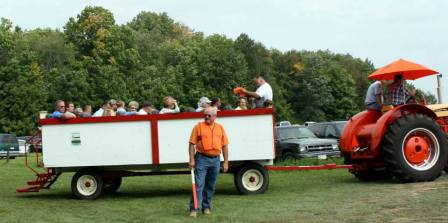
(288, 156)
(372, 175)
(251, 178)
(112, 185)
(87, 185)
(415, 148)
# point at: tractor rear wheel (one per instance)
(415, 148)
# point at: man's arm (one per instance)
(250, 93)
(225, 154)
(378, 100)
(68, 116)
(191, 151)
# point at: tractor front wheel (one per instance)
(415, 148)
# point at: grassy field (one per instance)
(306, 196)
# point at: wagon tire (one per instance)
(415, 149)
(251, 179)
(112, 185)
(87, 185)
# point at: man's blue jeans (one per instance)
(206, 173)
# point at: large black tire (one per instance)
(251, 178)
(87, 185)
(372, 175)
(289, 156)
(112, 185)
(368, 175)
(415, 148)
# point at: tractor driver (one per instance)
(397, 93)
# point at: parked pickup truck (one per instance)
(297, 141)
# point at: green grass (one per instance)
(305, 196)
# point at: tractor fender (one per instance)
(348, 140)
(389, 117)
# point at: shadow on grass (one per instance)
(146, 193)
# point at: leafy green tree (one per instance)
(21, 84)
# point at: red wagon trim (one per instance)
(130, 118)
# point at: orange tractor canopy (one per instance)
(406, 142)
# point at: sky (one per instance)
(381, 31)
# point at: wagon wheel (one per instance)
(112, 185)
(251, 179)
(87, 185)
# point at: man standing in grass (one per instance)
(208, 139)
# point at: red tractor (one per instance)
(408, 142)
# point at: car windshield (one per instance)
(340, 126)
(295, 133)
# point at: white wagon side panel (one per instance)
(250, 137)
(101, 144)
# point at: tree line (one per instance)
(93, 59)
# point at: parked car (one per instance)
(23, 147)
(297, 141)
(9, 142)
(30, 147)
(283, 123)
(327, 130)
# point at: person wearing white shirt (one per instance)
(169, 106)
(263, 92)
(203, 103)
(147, 109)
(100, 111)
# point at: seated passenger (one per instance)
(78, 111)
(203, 103)
(147, 108)
(120, 108)
(70, 107)
(60, 111)
(242, 104)
(133, 108)
(190, 109)
(100, 111)
(87, 111)
(216, 103)
(374, 96)
(169, 105)
(111, 108)
(268, 104)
